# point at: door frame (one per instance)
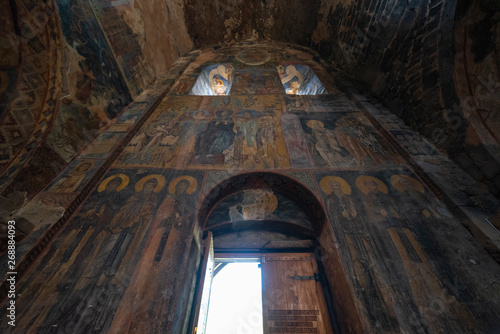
(256, 256)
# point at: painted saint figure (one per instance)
(296, 142)
(218, 136)
(176, 210)
(70, 183)
(130, 224)
(267, 135)
(358, 141)
(325, 143)
(355, 240)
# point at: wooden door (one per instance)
(292, 296)
(204, 287)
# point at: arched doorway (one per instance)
(279, 223)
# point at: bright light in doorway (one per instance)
(236, 300)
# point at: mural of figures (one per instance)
(300, 80)
(246, 139)
(297, 103)
(355, 241)
(99, 247)
(214, 80)
(397, 241)
(267, 135)
(94, 218)
(217, 137)
(413, 194)
(72, 181)
(258, 205)
(344, 140)
(245, 146)
(325, 143)
(155, 144)
(359, 141)
(210, 133)
(130, 224)
(384, 223)
(257, 81)
(161, 260)
(296, 141)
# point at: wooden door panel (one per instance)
(293, 302)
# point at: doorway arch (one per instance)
(316, 238)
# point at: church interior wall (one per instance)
(127, 239)
(106, 157)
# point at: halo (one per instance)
(315, 123)
(325, 184)
(360, 183)
(192, 184)
(160, 178)
(396, 179)
(86, 162)
(125, 181)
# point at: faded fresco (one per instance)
(42, 168)
(239, 132)
(246, 155)
(74, 177)
(256, 81)
(344, 140)
(30, 82)
(93, 89)
(263, 205)
(129, 215)
(386, 222)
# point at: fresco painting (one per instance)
(74, 177)
(215, 135)
(30, 82)
(93, 90)
(263, 205)
(388, 219)
(297, 103)
(256, 81)
(330, 103)
(413, 143)
(300, 80)
(253, 56)
(156, 143)
(214, 80)
(246, 140)
(458, 184)
(296, 141)
(102, 146)
(184, 85)
(43, 168)
(130, 248)
(129, 215)
(344, 140)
